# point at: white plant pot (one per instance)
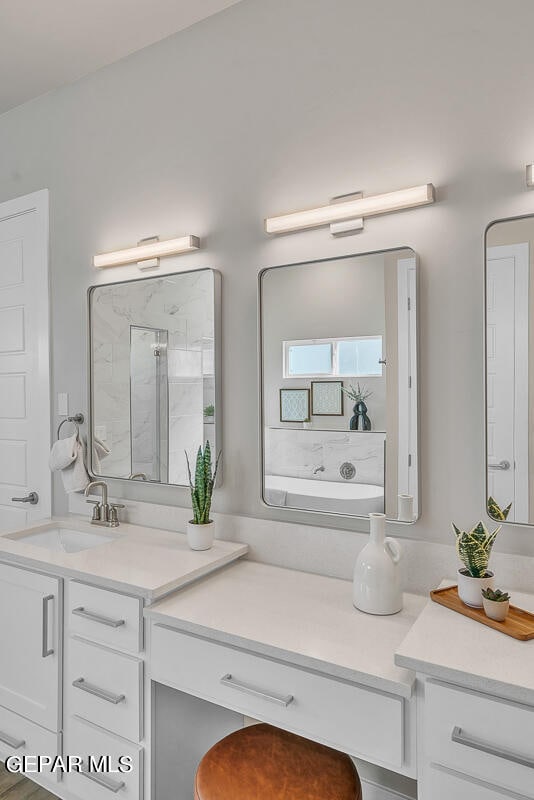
(200, 537)
(496, 610)
(470, 589)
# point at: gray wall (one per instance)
(272, 106)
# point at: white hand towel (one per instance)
(68, 457)
(63, 453)
(100, 451)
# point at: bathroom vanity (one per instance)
(75, 678)
(154, 652)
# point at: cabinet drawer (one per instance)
(352, 718)
(482, 736)
(438, 784)
(83, 739)
(20, 737)
(105, 687)
(104, 616)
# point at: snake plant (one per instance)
(474, 548)
(495, 511)
(202, 488)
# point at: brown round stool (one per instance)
(265, 763)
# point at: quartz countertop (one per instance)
(147, 562)
(304, 619)
(446, 645)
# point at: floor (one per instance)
(16, 787)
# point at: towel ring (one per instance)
(77, 420)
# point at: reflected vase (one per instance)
(360, 421)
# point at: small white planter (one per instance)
(496, 610)
(200, 537)
(470, 589)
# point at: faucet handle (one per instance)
(97, 510)
(114, 513)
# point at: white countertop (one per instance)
(144, 561)
(454, 648)
(303, 619)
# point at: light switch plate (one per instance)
(63, 404)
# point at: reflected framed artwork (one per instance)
(294, 405)
(327, 398)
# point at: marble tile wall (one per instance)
(298, 452)
(182, 306)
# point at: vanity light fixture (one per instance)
(530, 175)
(148, 252)
(342, 210)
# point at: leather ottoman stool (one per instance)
(265, 763)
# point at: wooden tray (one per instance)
(518, 623)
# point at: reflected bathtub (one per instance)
(332, 497)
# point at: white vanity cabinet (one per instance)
(30, 636)
(104, 689)
(30, 665)
(301, 701)
(473, 745)
(475, 692)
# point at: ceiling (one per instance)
(45, 44)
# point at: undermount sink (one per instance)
(63, 540)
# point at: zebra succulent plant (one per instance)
(474, 548)
(496, 596)
(202, 488)
(496, 512)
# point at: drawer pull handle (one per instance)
(459, 737)
(111, 623)
(10, 741)
(281, 700)
(107, 783)
(45, 649)
(110, 697)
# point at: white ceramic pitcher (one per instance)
(377, 587)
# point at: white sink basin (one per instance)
(63, 540)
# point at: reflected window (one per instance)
(358, 357)
(309, 359)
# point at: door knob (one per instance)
(32, 498)
(501, 465)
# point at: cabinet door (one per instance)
(30, 640)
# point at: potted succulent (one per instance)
(496, 604)
(474, 550)
(209, 412)
(201, 529)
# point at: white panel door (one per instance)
(24, 360)
(507, 291)
(29, 631)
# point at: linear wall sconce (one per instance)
(148, 252)
(530, 175)
(351, 208)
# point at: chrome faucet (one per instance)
(318, 469)
(104, 513)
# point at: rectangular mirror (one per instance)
(153, 375)
(338, 343)
(509, 289)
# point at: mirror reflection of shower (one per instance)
(149, 404)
